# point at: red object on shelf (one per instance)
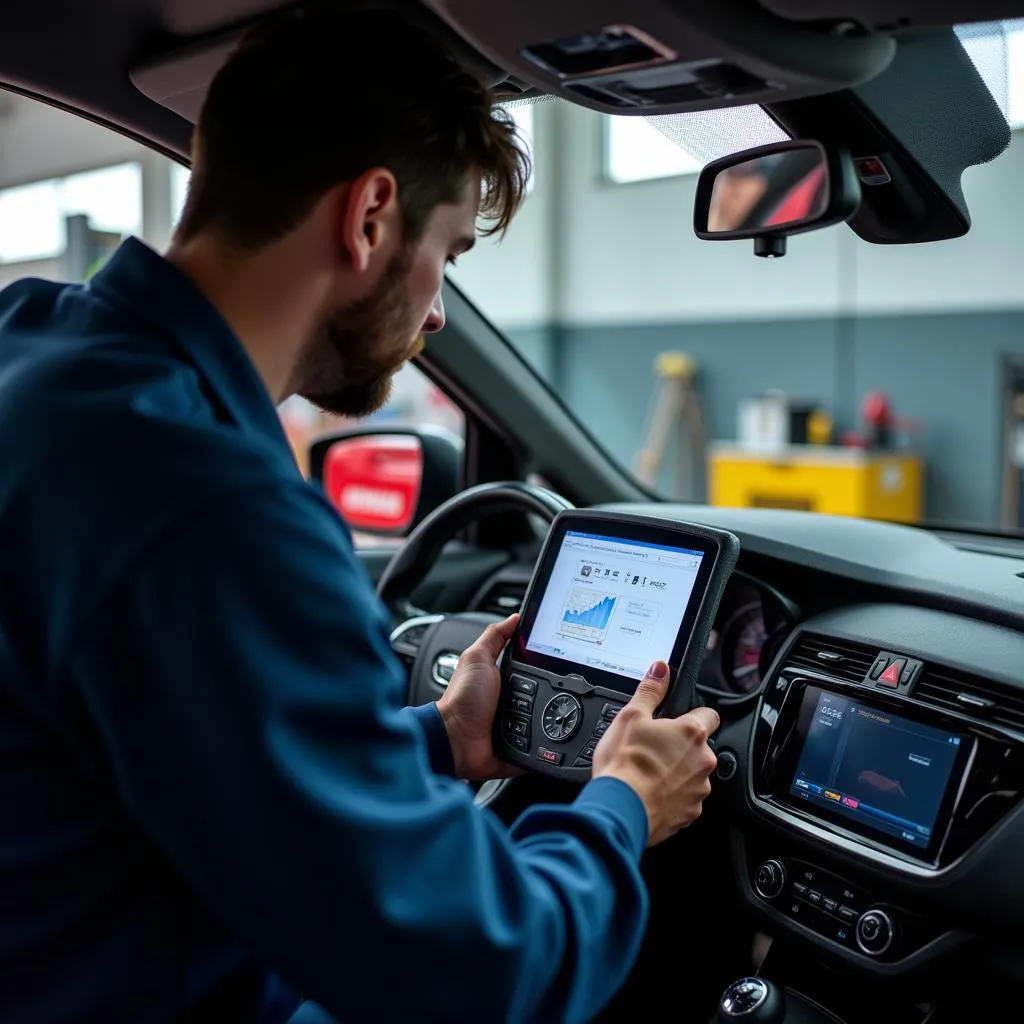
(877, 410)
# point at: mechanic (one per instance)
(211, 799)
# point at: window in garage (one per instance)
(34, 217)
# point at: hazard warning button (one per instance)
(890, 678)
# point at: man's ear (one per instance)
(368, 216)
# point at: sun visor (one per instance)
(665, 56)
(179, 77)
(179, 80)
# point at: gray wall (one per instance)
(944, 371)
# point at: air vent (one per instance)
(838, 658)
(972, 696)
(503, 598)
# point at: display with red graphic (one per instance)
(884, 772)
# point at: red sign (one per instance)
(374, 482)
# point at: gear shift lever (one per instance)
(752, 1001)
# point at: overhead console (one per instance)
(660, 57)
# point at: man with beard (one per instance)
(211, 799)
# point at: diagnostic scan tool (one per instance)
(611, 593)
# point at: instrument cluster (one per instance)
(751, 625)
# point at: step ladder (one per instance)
(674, 422)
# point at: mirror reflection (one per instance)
(374, 481)
(769, 193)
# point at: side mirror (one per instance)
(384, 481)
(775, 191)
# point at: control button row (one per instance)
(827, 903)
(516, 727)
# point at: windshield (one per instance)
(848, 378)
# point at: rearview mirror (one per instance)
(775, 191)
(383, 481)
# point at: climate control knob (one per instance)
(875, 932)
(770, 879)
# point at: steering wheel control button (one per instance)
(524, 685)
(551, 756)
(609, 711)
(581, 762)
(799, 889)
(520, 743)
(602, 728)
(875, 932)
(770, 879)
(813, 896)
(847, 915)
(829, 904)
(563, 715)
(587, 753)
(727, 765)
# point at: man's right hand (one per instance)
(666, 761)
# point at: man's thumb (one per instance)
(652, 688)
(492, 641)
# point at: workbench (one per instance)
(832, 480)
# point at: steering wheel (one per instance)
(432, 643)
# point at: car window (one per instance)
(847, 378)
(71, 191)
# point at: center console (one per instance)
(876, 773)
(872, 799)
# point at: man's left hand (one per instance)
(470, 703)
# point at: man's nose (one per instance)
(435, 318)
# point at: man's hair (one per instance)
(313, 98)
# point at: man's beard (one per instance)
(355, 352)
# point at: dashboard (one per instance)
(870, 680)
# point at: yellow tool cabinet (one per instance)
(817, 478)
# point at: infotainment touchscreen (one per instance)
(880, 773)
(611, 593)
(615, 605)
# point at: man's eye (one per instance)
(452, 260)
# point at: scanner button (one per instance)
(551, 756)
(524, 685)
(515, 726)
(521, 703)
